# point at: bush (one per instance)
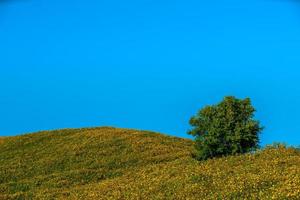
(227, 128)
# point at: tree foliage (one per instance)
(227, 128)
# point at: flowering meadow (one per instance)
(110, 163)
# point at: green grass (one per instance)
(111, 163)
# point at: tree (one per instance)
(227, 128)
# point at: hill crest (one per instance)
(112, 163)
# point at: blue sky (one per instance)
(147, 64)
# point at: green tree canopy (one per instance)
(227, 128)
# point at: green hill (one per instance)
(111, 163)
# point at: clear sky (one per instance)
(147, 64)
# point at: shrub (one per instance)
(227, 128)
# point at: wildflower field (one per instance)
(111, 163)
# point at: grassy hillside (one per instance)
(110, 163)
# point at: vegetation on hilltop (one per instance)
(110, 163)
(228, 128)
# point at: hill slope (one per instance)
(110, 163)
